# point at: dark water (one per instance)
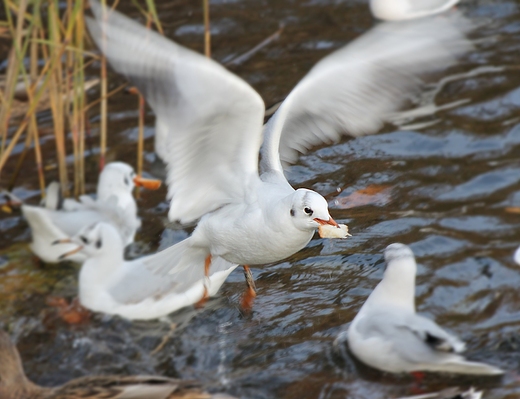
(443, 190)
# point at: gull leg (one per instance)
(205, 295)
(417, 387)
(250, 293)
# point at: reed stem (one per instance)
(207, 33)
(104, 89)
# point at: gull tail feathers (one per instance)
(44, 232)
(53, 198)
(41, 223)
(463, 366)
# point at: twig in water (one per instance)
(164, 339)
(246, 56)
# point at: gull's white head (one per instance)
(309, 210)
(96, 240)
(398, 251)
(116, 178)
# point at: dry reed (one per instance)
(55, 80)
(52, 39)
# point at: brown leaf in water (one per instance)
(371, 195)
(72, 313)
(513, 209)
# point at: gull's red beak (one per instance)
(150, 184)
(331, 221)
(67, 254)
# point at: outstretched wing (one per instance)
(210, 120)
(355, 90)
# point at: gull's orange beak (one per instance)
(67, 254)
(150, 184)
(331, 221)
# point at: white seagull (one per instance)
(109, 284)
(214, 131)
(400, 10)
(389, 335)
(62, 219)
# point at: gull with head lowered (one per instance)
(109, 284)
(389, 335)
(214, 131)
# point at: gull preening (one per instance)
(389, 335)
(400, 10)
(210, 126)
(62, 219)
(14, 384)
(109, 284)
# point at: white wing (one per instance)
(138, 283)
(355, 89)
(214, 118)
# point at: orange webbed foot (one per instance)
(249, 295)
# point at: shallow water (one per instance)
(443, 190)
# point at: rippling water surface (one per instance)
(443, 189)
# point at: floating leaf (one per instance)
(371, 195)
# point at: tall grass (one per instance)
(48, 61)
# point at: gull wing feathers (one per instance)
(432, 335)
(420, 343)
(44, 232)
(415, 338)
(89, 212)
(356, 89)
(157, 287)
(214, 118)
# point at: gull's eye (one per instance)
(83, 240)
(308, 211)
(127, 182)
(292, 212)
(99, 243)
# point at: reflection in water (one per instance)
(450, 185)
